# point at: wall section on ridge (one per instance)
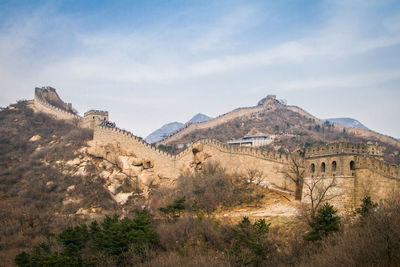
(43, 105)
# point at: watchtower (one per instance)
(338, 159)
(93, 118)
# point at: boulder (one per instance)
(117, 176)
(105, 174)
(133, 170)
(147, 164)
(137, 162)
(70, 188)
(197, 148)
(35, 138)
(124, 162)
(146, 178)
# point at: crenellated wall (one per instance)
(344, 148)
(358, 169)
(234, 159)
(42, 99)
(42, 104)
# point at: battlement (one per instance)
(120, 135)
(379, 166)
(249, 151)
(96, 112)
(47, 100)
(344, 148)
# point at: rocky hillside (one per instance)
(48, 181)
(169, 128)
(292, 127)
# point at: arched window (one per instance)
(323, 167)
(352, 165)
(312, 168)
(334, 166)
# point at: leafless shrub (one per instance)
(375, 242)
(318, 190)
(254, 176)
(294, 171)
(191, 257)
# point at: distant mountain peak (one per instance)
(169, 128)
(162, 132)
(199, 117)
(348, 122)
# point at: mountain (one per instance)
(348, 122)
(163, 131)
(292, 128)
(169, 128)
(199, 118)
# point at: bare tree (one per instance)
(295, 172)
(254, 176)
(317, 190)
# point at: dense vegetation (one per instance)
(209, 189)
(372, 238)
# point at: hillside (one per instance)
(50, 182)
(47, 180)
(292, 127)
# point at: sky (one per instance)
(153, 62)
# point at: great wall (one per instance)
(358, 169)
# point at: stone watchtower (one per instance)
(93, 118)
(269, 103)
(340, 161)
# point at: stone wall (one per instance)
(358, 169)
(43, 105)
(236, 160)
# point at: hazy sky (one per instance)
(153, 62)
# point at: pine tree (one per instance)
(323, 222)
(367, 207)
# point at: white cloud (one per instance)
(49, 48)
(349, 81)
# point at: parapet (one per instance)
(47, 100)
(344, 148)
(96, 112)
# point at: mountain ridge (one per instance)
(348, 122)
(292, 126)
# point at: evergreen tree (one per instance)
(367, 207)
(251, 245)
(323, 222)
(174, 210)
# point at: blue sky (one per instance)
(153, 62)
